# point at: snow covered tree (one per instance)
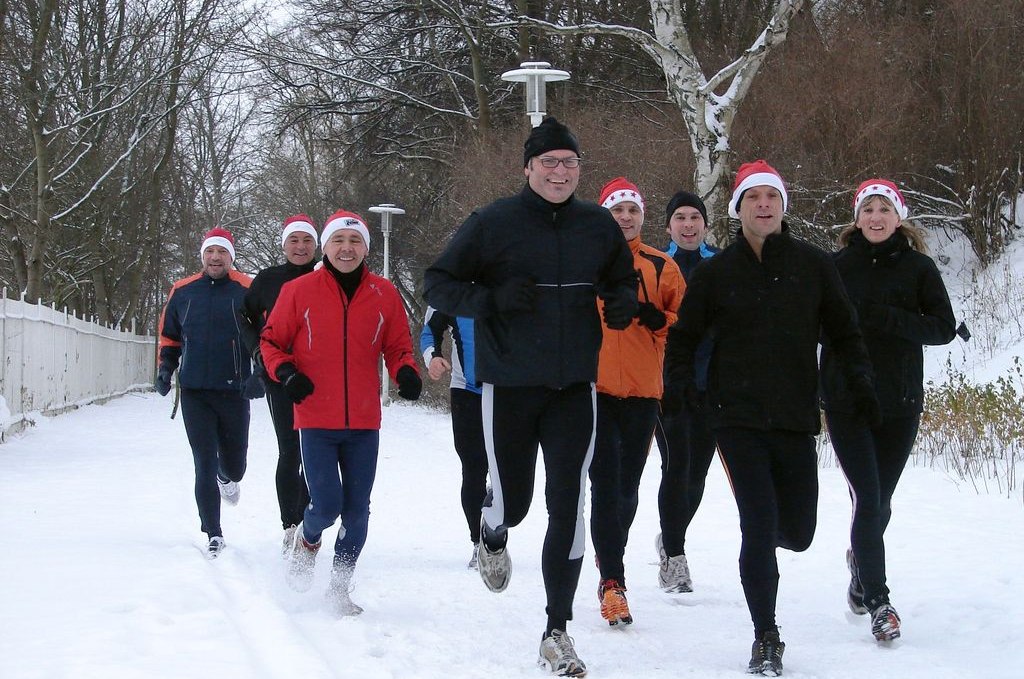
(708, 103)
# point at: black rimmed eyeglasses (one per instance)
(551, 162)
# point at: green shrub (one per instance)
(975, 430)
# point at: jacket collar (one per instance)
(889, 249)
(534, 200)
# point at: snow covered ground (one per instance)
(102, 573)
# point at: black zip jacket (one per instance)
(262, 296)
(765, 318)
(902, 305)
(574, 252)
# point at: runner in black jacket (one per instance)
(298, 240)
(765, 299)
(529, 270)
(902, 304)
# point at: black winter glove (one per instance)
(619, 312)
(516, 295)
(163, 380)
(672, 399)
(865, 402)
(409, 383)
(680, 397)
(650, 316)
(254, 387)
(296, 385)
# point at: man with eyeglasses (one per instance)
(528, 269)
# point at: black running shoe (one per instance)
(766, 654)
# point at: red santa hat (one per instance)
(757, 173)
(221, 237)
(300, 223)
(343, 219)
(620, 190)
(879, 187)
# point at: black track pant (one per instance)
(687, 447)
(217, 426)
(468, 431)
(872, 460)
(774, 477)
(561, 421)
(624, 430)
(292, 495)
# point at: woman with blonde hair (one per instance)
(902, 305)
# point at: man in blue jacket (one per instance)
(685, 440)
(467, 424)
(199, 337)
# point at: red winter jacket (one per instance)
(337, 343)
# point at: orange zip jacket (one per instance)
(630, 363)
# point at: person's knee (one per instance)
(796, 540)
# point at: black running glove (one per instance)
(163, 380)
(516, 295)
(865, 402)
(409, 383)
(619, 312)
(253, 387)
(650, 316)
(296, 385)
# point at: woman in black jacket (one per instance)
(902, 305)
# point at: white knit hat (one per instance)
(880, 187)
(757, 173)
(221, 237)
(298, 224)
(343, 219)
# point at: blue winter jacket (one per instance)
(199, 332)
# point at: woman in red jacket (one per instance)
(323, 343)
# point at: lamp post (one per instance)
(385, 210)
(536, 75)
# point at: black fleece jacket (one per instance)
(902, 304)
(573, 252)
(261, 297)
(765, 318)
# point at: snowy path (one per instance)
(101, 575)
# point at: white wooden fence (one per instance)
(51, 361)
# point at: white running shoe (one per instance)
(338, 593)
(286, 542)
(559, 656)
(673, 571)
(473, 562)
(215, 547)
(301, 562)
(495, 567)
(229, 491)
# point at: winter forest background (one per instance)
(128, 128)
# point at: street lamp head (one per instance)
(385, 210)
(536, 75)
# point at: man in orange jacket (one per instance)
(629, 386)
